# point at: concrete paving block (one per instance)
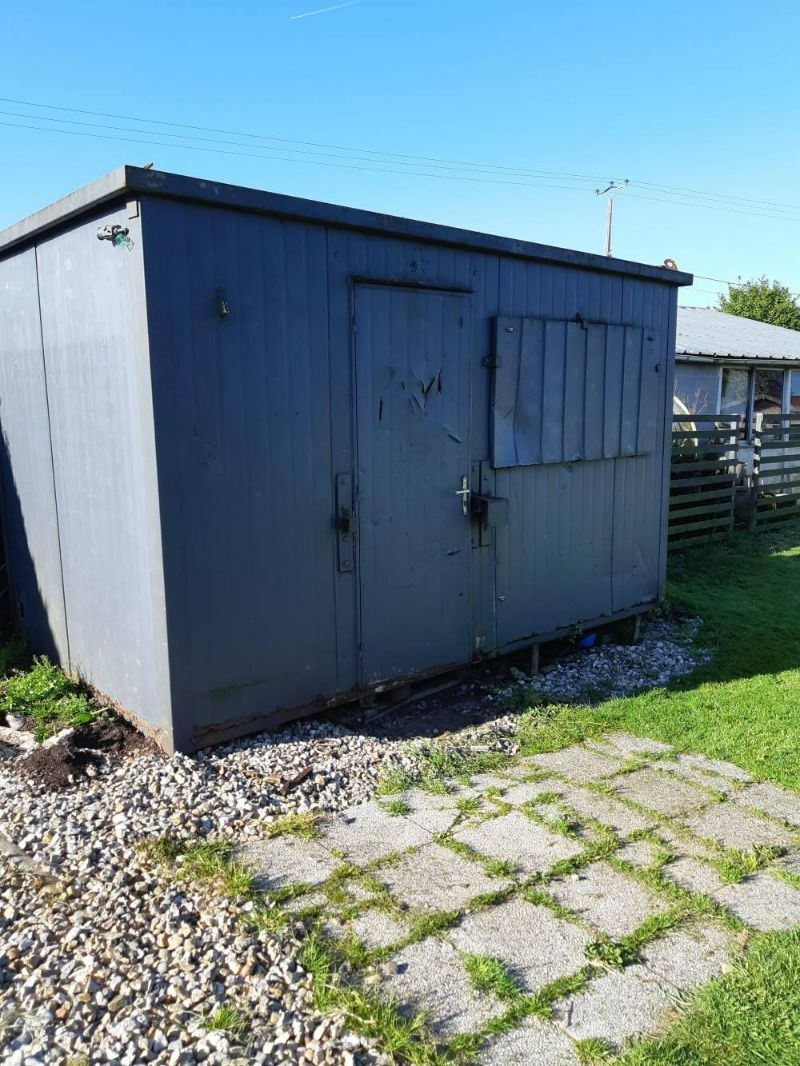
(715, 766)
(660, 793)
(535, 946)
(429, 976)
(640, 747)
(686, 958)
(374, 928)
(734, 827)
(526, 791)
(791, 862)
(480, 782)
(534, 1043)
(685, 768)
(286, 860)
(615, 1007)
(523, 767)
(637, 1002)
(550, 812)
(366, 832)
(606, 900)
(693, 876)
(763, 902)
(684, 844)
(519, 840)
(437, 879)
(608, 811)
(304, 902)
(638, 853)
(778, 802)
(579, 764)
(432, 812)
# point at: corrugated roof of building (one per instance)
(705, 331)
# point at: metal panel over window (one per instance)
(567, 391)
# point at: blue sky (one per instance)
(701, 96)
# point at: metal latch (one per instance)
(464, 492)
(344, 519)
(344, 522)
(491, 510)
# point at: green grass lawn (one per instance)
(744, 705)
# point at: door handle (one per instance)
(464, 492)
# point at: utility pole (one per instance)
(609, 190)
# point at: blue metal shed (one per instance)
(262, 454)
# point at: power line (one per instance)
(715, 207)
(394, 157)
(718, 196)
(216, 140)
(148, 139)
(732, 284)
(309, 144)
(285, 159)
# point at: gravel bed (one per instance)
(107, 958)
(115, 961)
(608, 671)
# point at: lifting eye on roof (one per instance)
(670, 264)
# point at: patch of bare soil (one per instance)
(63, 765)
(114, 736)
(57, 767)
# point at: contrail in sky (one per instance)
(324, 10)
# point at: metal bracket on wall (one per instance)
(344, 523)
(488, 510)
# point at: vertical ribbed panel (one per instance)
(98, 384)
(258, 414)
(413, 448)
(26, 464)
(244, 439)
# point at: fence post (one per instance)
(754, 486)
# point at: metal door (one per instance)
(413, 466)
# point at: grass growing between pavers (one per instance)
(487, 974)
(436, 766)
(750, 1015)
(742, 706)
(305, 826)
(206, 861)
(370, 1013)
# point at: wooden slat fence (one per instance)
(776, 470)
(702, 485)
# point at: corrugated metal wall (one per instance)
(87, 509)
(172, 478)
(29, 503)
(258, 414)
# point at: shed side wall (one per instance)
(29, 503)
(254, 420)
(95, 346)
(243, 423)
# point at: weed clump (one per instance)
(47, 696)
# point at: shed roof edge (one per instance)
(158, 183)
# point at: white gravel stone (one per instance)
(105, 957)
